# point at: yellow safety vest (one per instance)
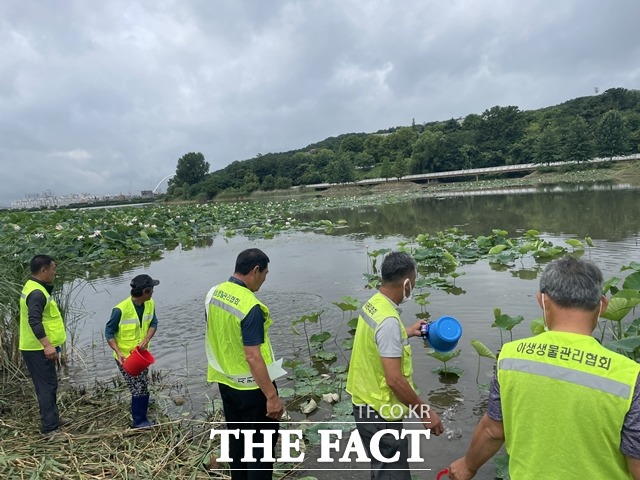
(564, 398)
(366, 381)
(130, 332)
(228, 304)
(51, 320)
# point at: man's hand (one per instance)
(143, 345)
(258, 368)
(431, 421)
(51, 353)
(459, 470)
(414, 330)
(275, 407)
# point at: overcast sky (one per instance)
(104, 97)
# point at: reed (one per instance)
(99, 443)
(10, 274)
(14, 272)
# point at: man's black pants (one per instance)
(369, 422)
(248, 406)
(45, 380)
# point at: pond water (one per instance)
(309, 271)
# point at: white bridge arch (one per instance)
(155, 190)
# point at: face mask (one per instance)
(595, 322)
(544, 315)
(404, 289)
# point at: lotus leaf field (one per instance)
(102, 238)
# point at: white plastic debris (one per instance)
(330, 397)
(309, 407)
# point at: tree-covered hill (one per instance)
(601, 125)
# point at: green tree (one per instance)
(353, 143)
(363, 159)
(472, 122)
(400, 141)
(251, 182)
(612, 136)
(632, 121)
(322, 158)
(177, 192)
(268, 183)
(548, 148)
(341, 170)
(449, 154)
(450, 126)
(400, 167)
(425, 151)
(373, 146)
(282, 183)
(578, 146)
(470, 156)
(191, 169)
(524, 150)
(311, 176)
(501, 127)
(386, 169)
(212, 185)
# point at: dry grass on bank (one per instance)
(99, 443)
(629, 173)
(395, 186)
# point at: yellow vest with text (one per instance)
(366, 381)
(130, 332)
(564, 398)
(228, 306)
(51, 320)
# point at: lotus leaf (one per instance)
(621, 304)
(482, 350)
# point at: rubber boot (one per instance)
(139, 406)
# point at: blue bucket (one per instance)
(443, 334)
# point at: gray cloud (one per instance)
(104, 97)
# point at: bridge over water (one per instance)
(470, 172)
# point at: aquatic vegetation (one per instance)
(505, 322)
(483, 351)
(315, 343)
(99, 238)
(421, 300)
(625, 336)
(444, 357)
(346, 304)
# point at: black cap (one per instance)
(143, 281)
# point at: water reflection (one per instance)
(445, 397)
(596, 210)
(527, 273)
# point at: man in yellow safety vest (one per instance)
(380, 371)
(565, 406)
(42, 333)
(240, 359)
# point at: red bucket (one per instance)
(135, 363)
